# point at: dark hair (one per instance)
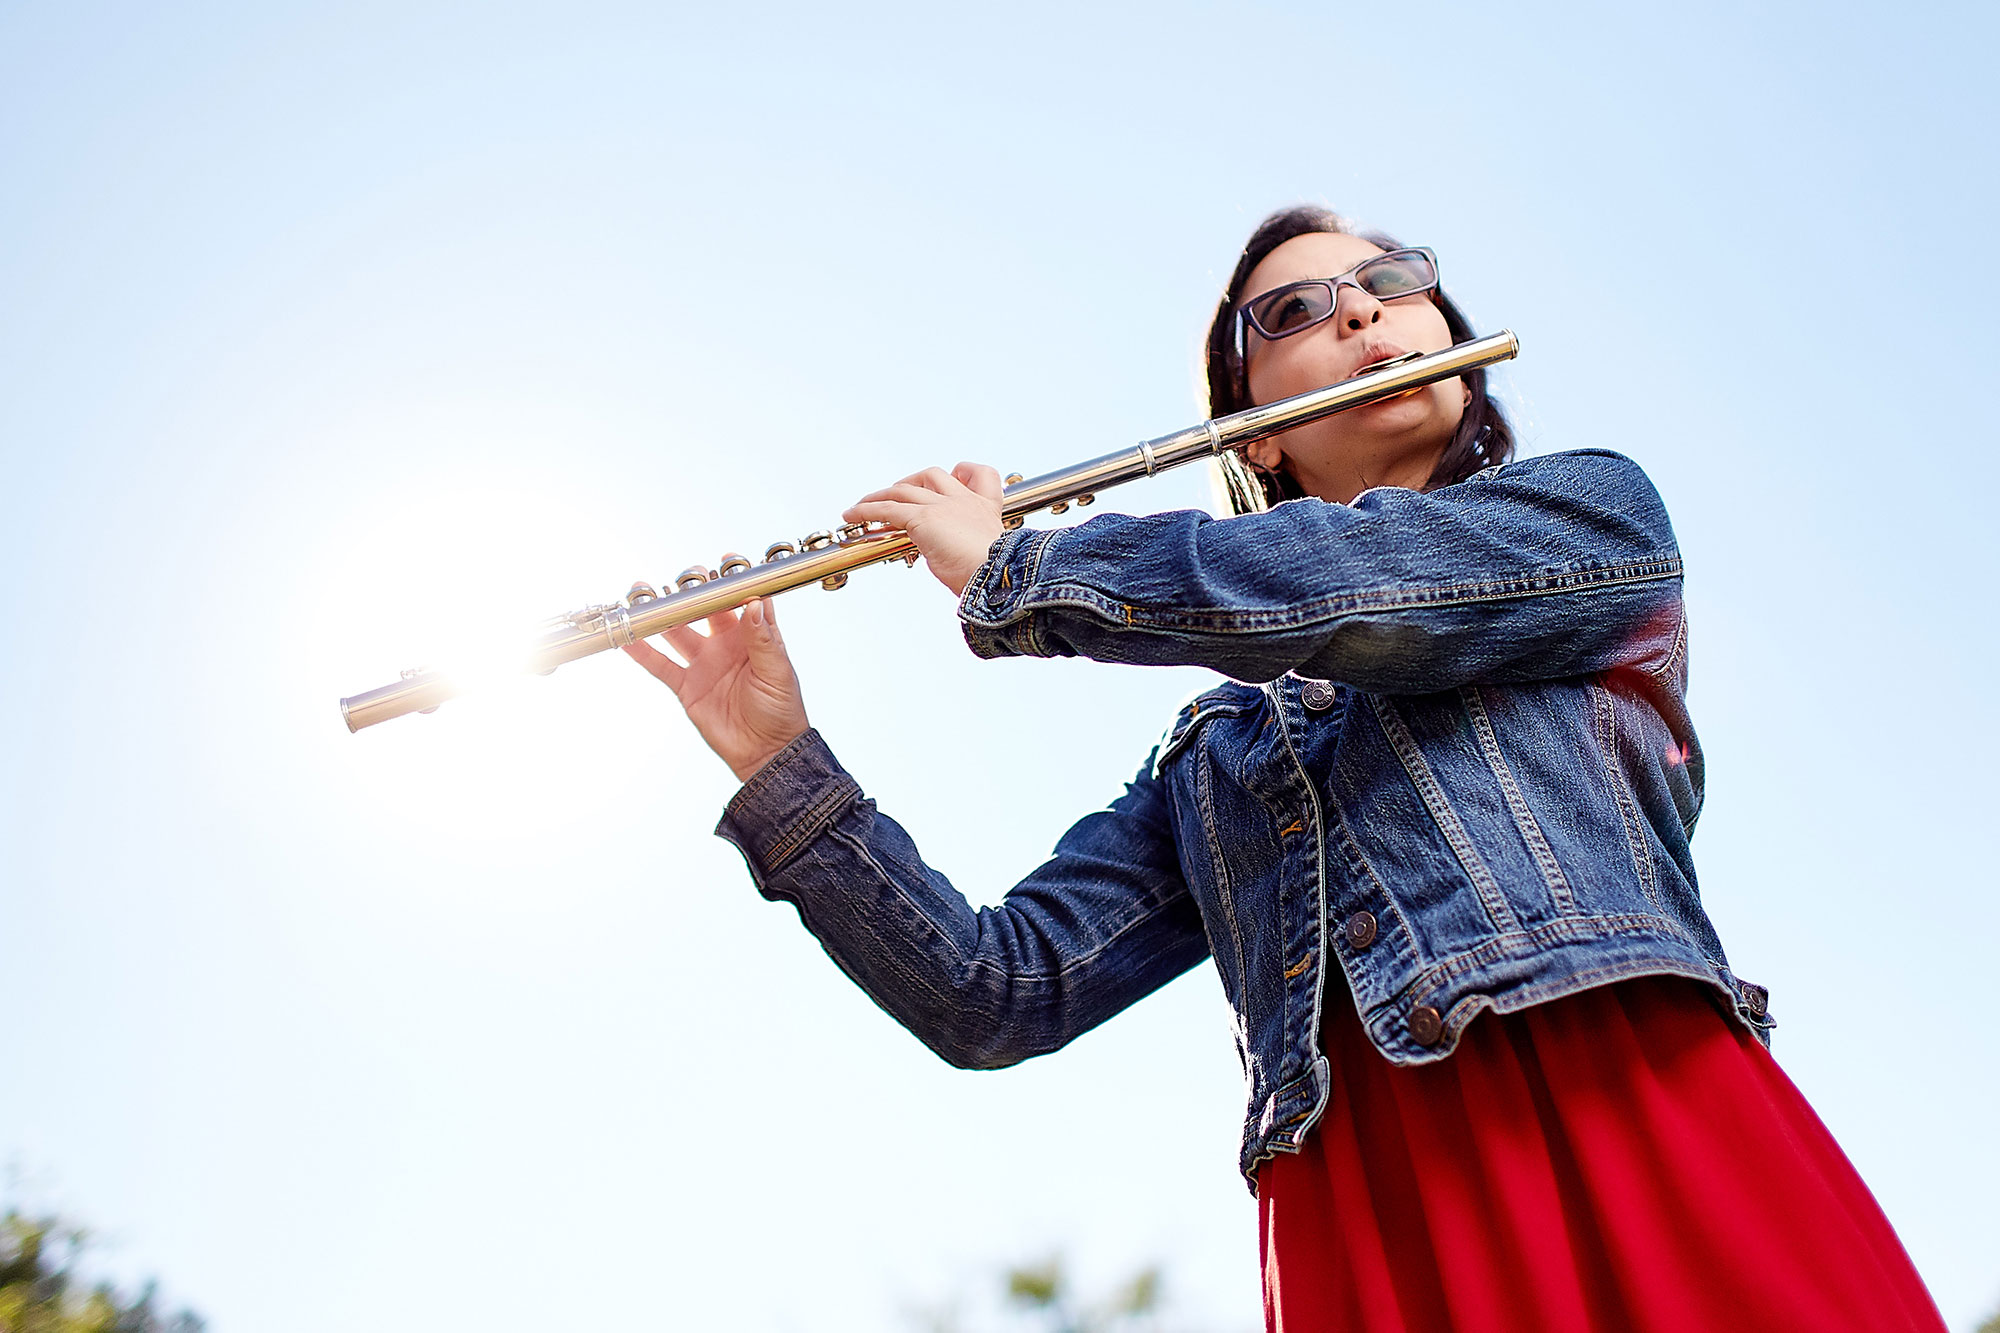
(1483, 437)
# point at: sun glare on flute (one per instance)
(468, 666)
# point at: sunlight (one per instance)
(461, 580)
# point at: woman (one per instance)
(1501, 1073)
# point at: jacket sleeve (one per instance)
(1556, 566)
(1106, 920)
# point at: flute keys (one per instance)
(733, 563)
(853, 532)
(780, 551)
(817, 541)
(691, 577)
(1085, 499)
(640, 592)
(1012, 479)
(833, 582)
(1059, 507)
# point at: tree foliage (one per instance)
(1045, 1289)
(1043, 1296)
(40, 1291)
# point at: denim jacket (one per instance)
(1452, 770)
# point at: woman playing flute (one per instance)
(1432, 824)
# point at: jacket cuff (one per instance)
(991, 610)
(786, 804)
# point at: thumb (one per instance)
(765, 644)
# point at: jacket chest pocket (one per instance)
(1194, 718)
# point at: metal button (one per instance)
(1757, 998)
(1361, 929)
(1317, 695)
(1426, 1025)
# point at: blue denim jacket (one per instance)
(1453, 771)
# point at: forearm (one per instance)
(1084, 936)
(1558, 567)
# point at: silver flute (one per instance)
(827, 557)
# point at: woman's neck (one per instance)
(1341, 479)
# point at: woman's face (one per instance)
(1392, 443)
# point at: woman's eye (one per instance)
(1386, 281)
(1291, 311)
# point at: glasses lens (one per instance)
(1400, 273)
(1290, 309)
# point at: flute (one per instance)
(828, 557)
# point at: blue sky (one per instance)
(329, 333)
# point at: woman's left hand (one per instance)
(953, 517)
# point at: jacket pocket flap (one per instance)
(1194, 714)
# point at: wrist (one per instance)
(753, 764)
(963, 575)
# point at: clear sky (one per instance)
(330, 332)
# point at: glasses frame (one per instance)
(1246, 321)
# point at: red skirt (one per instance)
(1624, 1158)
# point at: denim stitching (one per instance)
(1434, 799)
(1681, 641)
(1178, 737)
(1358, 858)
(1524, 818)
(768, 774)
(981, 585)
(1272, 700)
(811, 822)
(1205, 807)
(1527, 997)
(1037, 546)
(1663, 675)
(1563, 930)
(1604, 708)
(1227, 620)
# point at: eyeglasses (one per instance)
(1297, 306)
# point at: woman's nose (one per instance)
(1355, 310)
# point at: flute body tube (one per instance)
(827, 558)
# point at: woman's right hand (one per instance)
(738, 686)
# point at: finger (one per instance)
(981, 479)
(767, 616)
(686, 639)
(663, 668)
(721, 622)
(915, 481)
(937, 479)
(895, 513)
(933, 479)
(908, 492)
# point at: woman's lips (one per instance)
(1375, 356)
(1377, 353)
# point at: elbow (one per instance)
(966, 1034)
(969, 1044)
(965, 1057)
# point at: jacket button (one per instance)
(1426, 1025)
(1361, 929)
(1317, 695)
